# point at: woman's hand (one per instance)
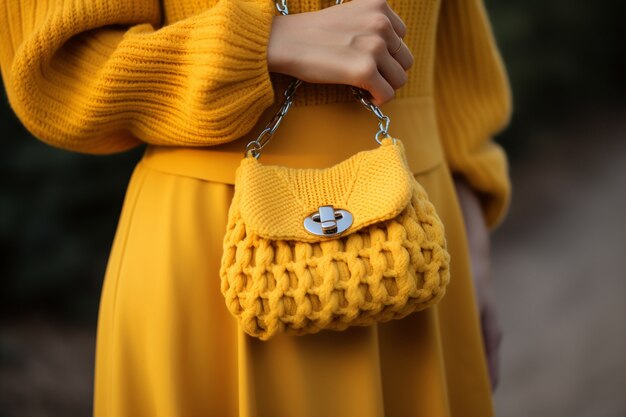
(350, 43)
(479, 243)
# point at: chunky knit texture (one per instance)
(391, 262)
(102, 76)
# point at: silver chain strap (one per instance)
(254, 147)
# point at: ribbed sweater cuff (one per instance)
(217, 85)
(486, 171)
(198, 82)
(212, 71)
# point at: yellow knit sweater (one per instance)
(102, 76)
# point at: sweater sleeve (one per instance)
(102, 76)
(473, 100)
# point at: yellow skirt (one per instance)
(167, 345)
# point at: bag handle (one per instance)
(253, 148)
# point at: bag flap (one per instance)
(373, 185)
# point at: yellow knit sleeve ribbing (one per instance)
(101, 76)
(473, 100)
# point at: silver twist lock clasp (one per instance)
(328, 221)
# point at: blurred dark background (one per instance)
(558, 259)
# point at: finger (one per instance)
(383, 27)
(495, 373)
(403, 56)
(378, 87)
(398, 24)
(393, 72)
(494, 366)
(492, 337)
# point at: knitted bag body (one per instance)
(277, 276)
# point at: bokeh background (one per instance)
(558, 260)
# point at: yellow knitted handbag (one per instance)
(352, 244)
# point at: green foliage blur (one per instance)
(58, 214)
(564, 58)
(58, 210)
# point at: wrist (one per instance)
(278, 53)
